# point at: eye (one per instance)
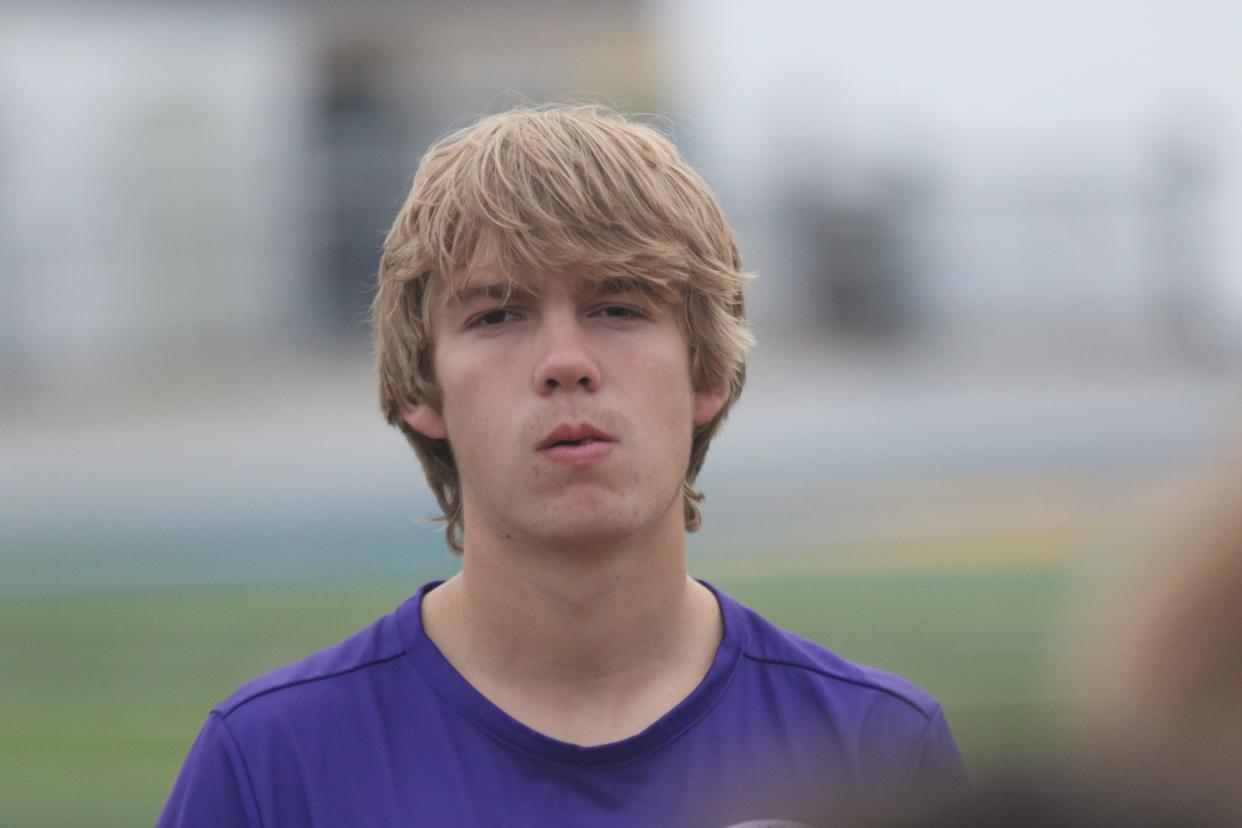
(492, 318)
(618, 312)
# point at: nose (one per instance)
(565, 361)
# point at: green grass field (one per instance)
(102, 694)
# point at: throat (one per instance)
(582, 682)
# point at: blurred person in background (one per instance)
(560, 334)
(1156, 737)
(1164, 697)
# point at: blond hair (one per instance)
(549, 190)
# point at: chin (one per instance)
(587, 530)
(591, 521)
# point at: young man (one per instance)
(560, 333)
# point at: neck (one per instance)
(557, 636)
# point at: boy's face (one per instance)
(568, 407)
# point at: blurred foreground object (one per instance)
(1164, 678)
(1156, 736)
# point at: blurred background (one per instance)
(999, 312)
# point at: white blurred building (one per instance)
(148, 160)
(191, 185)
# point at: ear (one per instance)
(707, 403)
(424, 419)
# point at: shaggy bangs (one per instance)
(563, 190)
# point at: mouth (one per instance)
(574, 435)
(581, 442)
(576, 444)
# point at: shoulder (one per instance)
(275, 744)
(890, 730)
(369, 649)
(789, 657)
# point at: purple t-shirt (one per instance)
(380, 730)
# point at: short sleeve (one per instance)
(937, 769)
(213, 788)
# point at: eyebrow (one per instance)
(499, 291)
(490, 290)
(618, 285)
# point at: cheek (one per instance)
(671, 403)
(465, 385)
(479, 414)
(471, 418)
